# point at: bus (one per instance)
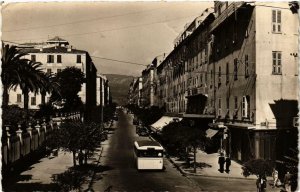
(148, 155)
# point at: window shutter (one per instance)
(278, 16)
(274, 16)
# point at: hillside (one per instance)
(119, 85)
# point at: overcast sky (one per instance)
(127, 31)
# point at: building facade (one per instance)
(102, 90)
(55, 55)
(235, 69)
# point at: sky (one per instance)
(134, 32)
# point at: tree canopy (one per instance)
(70, 81)
(178, 136)
(19, 71)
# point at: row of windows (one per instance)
(198, 80)
(276, 18)
(50, 58)
(32, 99)
(49, 71)
(245, 105)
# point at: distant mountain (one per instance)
(119, 86)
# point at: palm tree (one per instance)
(18, 71)
(51, 86)
(33, 79)
(11, 61)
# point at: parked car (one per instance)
(143, 131)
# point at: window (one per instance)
(246, 66)
(220, 106)
(78, 59)
(235, 103)
(49, 71)
(58, 70)
(219, 76)
(33, 100)
(33, 58)
(19, 98)
(50, 58)
(227, 102)
(227, 73)
(246, 107)
(276, 58)
(58, 58)
(235, 69)
(276, 21)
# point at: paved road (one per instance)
(121, 175)
(224, 184)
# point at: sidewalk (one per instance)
(39, 176)
(208, 166)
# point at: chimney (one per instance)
(70, 48)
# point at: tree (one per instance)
(32, 80)
(180, 135)
(18, 71)
(70, 80)
(50, 86)
(11, 62)
(70, 133)
(90, 138)
(258, 167)
(75, 136)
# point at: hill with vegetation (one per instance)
(119, 87)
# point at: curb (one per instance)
(93, 175)
(185, 173)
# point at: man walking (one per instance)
(221, 162)
(275, 177)
(228, 163)
(287, 182)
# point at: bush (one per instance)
(257, 167)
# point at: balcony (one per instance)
(197, 91)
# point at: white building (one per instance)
(56, 55)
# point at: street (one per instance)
(121, 175)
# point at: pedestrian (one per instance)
(80, 158)
(228, 163)
(275, 177)
(221, 162)
(287, 181)
(261, 183)
(258, 184)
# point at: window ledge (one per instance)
(274, 32)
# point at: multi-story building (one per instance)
(148, 86)
(179, 74)
(150, 89)
(55, 55)
(254, 77)
(136, 95)
(102, 90)
(236, 66)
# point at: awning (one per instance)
(211, 132)
(200, 116)
(163, 121)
